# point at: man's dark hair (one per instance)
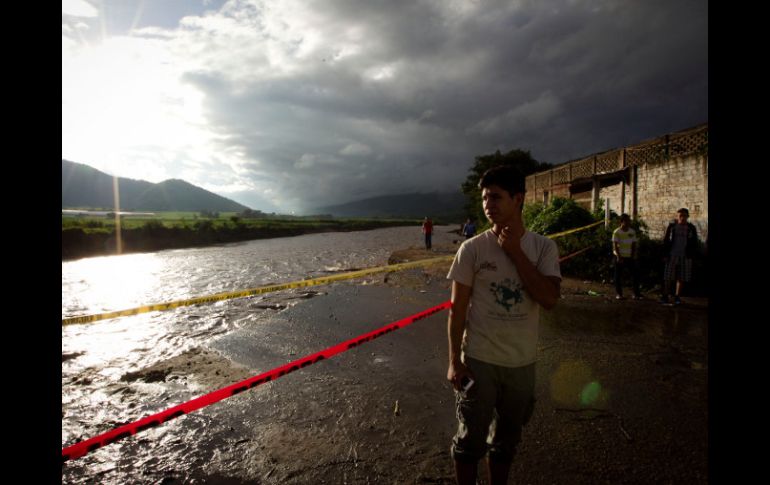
(683, 211)
(506, 177)
(625, 217)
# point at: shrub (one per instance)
(597, 262)
(205, 225)
(559, 215)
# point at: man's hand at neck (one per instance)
(509, 237)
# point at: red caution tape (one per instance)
(83, 447)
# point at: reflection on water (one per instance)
(95, 356)
(100, 284)
(111, 282)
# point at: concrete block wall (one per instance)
(537, 195)
(560, 191)
(664, 187)
(614, 193)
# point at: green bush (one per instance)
(559, 215)
(596, 263)
(205, 225)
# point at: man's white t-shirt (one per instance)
(502, 326)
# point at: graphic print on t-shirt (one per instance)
(506, 291)
(488, 266)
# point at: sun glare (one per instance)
(123, 98)
(111, 283)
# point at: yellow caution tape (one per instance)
(254, 291)
(271, 288)
(564, 233)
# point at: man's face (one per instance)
(499, 206)
(681, 217)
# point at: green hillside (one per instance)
(85, 187)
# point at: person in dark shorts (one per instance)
(500, 279)
(680, 245)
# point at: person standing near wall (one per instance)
(624, 247)
(680, 244)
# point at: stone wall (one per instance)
(561, 190)
(665, 187)
(616, 194)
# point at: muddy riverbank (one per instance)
(621, 388)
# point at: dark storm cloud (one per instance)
(338, 100)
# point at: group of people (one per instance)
(500, 280)
(680, 244)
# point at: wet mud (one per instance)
(621, 388)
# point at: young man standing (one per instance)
(679, 247)
(501, 278)
(624, 242)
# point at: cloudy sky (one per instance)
(290, 105)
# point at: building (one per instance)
(649, 181)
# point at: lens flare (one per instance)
(590, 393)
(574, 385)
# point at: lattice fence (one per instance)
(676, 145)
(583, 168)
(654, 151)
(561, 175)
(608, 162)
(687, 143)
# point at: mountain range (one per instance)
(445, 205)
(83, 186)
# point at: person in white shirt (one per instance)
(500, 279)
(624, 245)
